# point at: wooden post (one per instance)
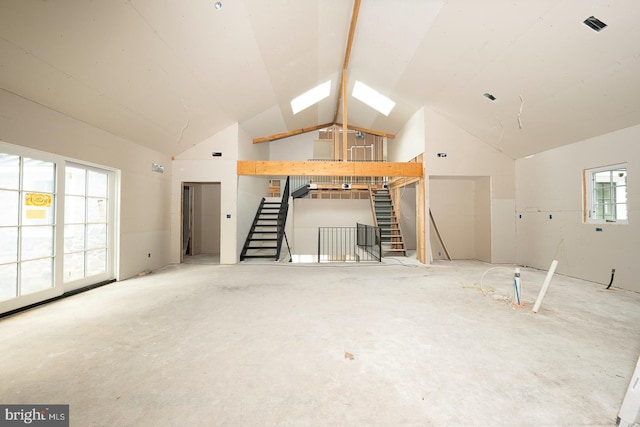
(344, 115)
(421, 246)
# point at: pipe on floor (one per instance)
(545, 285)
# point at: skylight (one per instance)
(373, 98)
(311, 97)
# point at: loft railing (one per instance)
(349, 244)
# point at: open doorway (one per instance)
(200, 239)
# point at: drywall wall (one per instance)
(431, 133)
(198, 165)
(309, 214)
(206, 218)
(409, 141)
(482, 214)
(145, 195)
(408, 216)
(452, 202)
(550, 184)
(468, 156)
(297, 147)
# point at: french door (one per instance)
(57, 222)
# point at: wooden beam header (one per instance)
(334, 168)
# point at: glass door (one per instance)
(88, 225)
(27, 226)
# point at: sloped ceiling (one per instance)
(167, 74)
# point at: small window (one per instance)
(606, 195)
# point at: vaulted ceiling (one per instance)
(168, 73)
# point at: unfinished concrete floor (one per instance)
(330, 345)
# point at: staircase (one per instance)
(386, 219)
(267, 230)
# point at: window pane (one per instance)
(96, 262)
(97, 210)
(9, 211)
(36, 276)
(96, 236)
(9, 246)
(73, 266)
(74, 209)
(9, 171)
(37, 209)
(74, 182)
(97, 184)
(73, 238)
(8, 281)
(37, 242)
(38, 176)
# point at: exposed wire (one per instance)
(613, 272)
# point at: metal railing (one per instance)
(282, 220)
(300, 181)
(349, 244)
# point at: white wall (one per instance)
(295, 148)
(408, 216)
(430, 133)
(309, 214)
(198, 165)
(410, 141)
(550, 183)
(452, 203)
(469, 156)
(207, 219)
(145, 195)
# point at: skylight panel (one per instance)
(311, 97)
(373, 98)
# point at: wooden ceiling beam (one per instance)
(290, 133)
(372, 132)
(347, 53)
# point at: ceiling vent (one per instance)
(489, 96)
(595, 24)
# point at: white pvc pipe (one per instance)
(517, 286)
(545, 285)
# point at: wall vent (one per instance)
(594, 23)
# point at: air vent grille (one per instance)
(594, 23)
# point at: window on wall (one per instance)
(27, 225)
(606, 194)
(86, 224)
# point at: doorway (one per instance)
(200, 240)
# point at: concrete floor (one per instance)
(272, 344)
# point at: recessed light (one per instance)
(594, 23)
(218, 5)
(311, 97)
(489, 96)
(373, 98)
